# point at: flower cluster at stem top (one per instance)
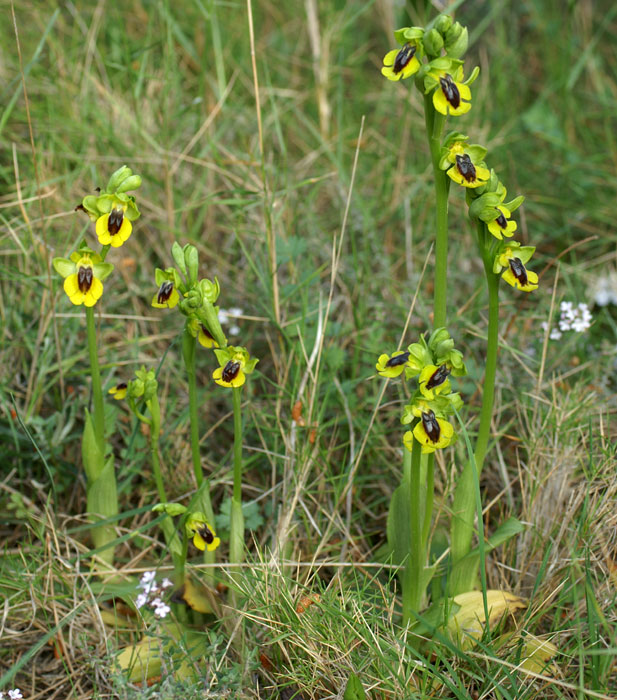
(442, 73)
(442, 77)
(431, 363)
(180, 287)
(113, 210)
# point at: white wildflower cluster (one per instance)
(150, 594)
(14, 694)
(573, 318)
(603, 289)
(229, 316)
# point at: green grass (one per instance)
(168, 89)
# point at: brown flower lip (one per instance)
(165, 291)
(398, 360)
(519, 271)
(403, 57)
(206, 534)
(85, 275)
(438, 377)
(431, 426)
(230, 371)
(114, 223)
(450, 91)
(466, 168)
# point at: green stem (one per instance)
(428, 502)
(155, 433)
(412, 591)
(464, 578)
(236, 535)
(205, 500)
(188, 352)
(98, 414)
(492, 346)
(434, 125)
(167, 525)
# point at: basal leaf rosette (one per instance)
(510, 261)
(402, 63)
(451, 93)
(201, 532)
(235, 363)
(463, 162)
(83, 272)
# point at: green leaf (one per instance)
(503, 533)
(354, 689)
(250, 510)
(91, 454)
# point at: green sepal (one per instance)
(408, 34)
(484, 207)
(102, 270)
(472, 78)
(177, 253)
(191, 259)
(354, 689)
(118, 177)
(456, 40)
(172, 509)
(419, 357)
(131, 183)
(92, 457)
(63, 266)
(90, 204)
(105, 203)
(236, 353)
(515, 203)
(131, 212)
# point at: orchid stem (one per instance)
(434, 126)
(464, 505)
(205, 501)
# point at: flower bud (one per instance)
(210, 290)
(433, 42)
(130, 183)
(118, 178)
(443, 23)
(457, 40)
(177, 253)
(192, 262)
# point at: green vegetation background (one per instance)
(167, 88)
